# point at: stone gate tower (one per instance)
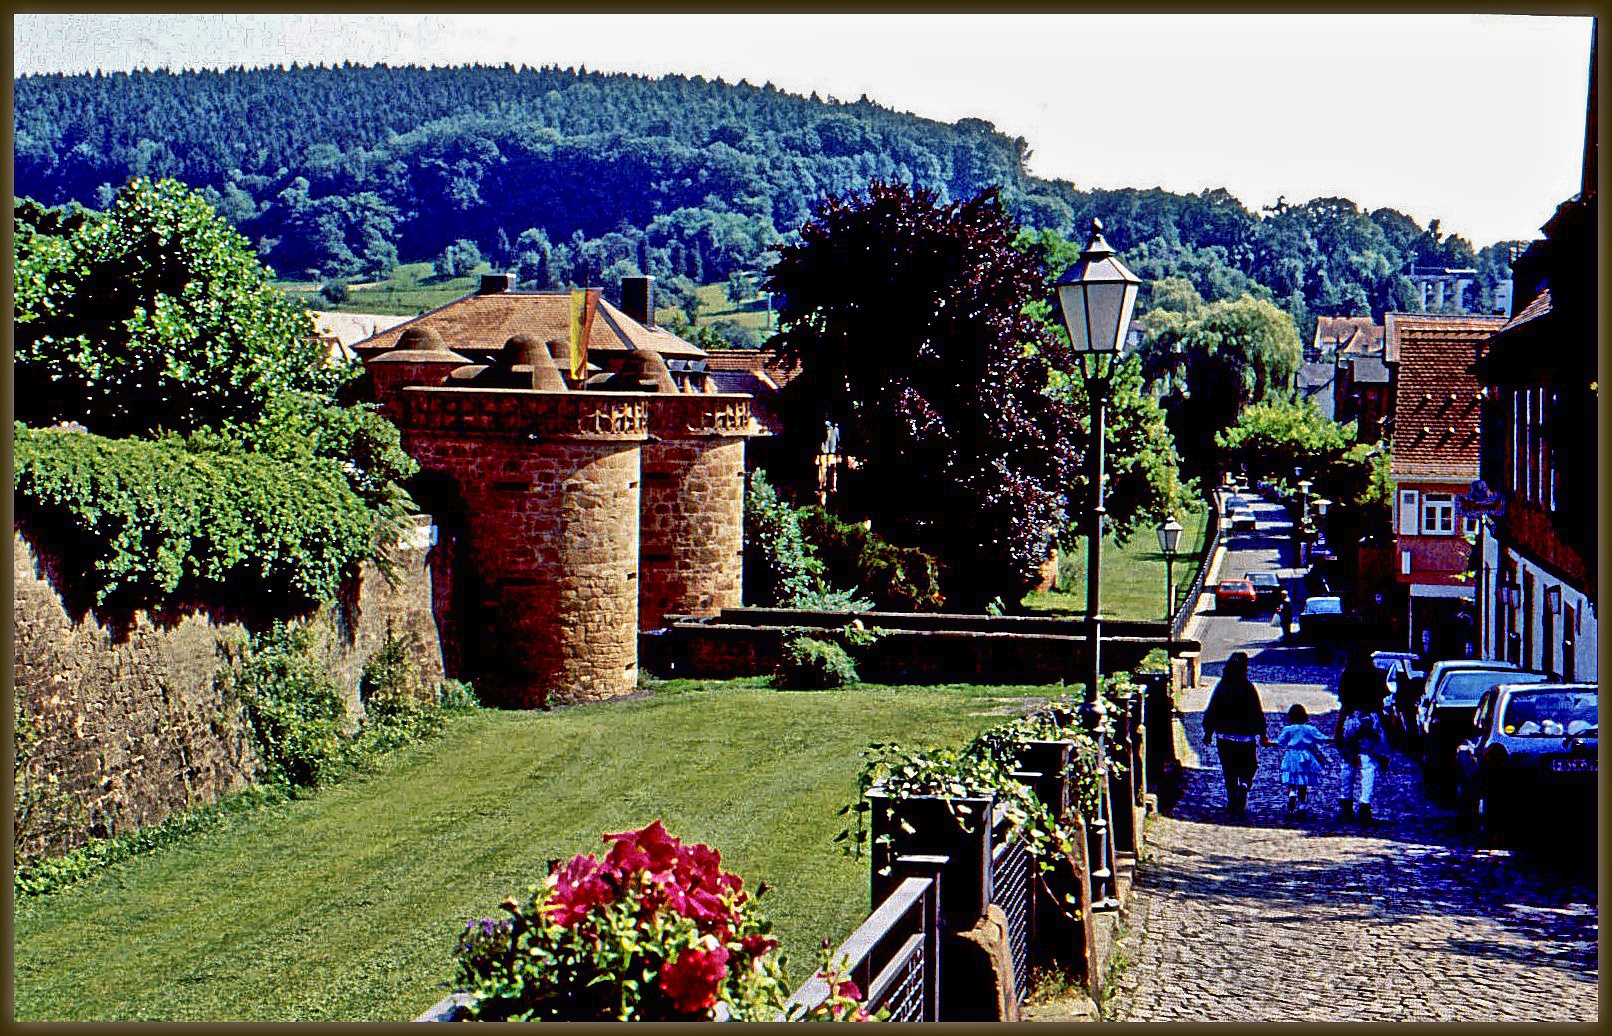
(583, 510)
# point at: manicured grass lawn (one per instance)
(345, 906)
(1133, 575)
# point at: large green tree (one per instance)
(908, 319)
(153, 315)
(1215, 361)
(1273, 438)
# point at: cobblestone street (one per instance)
(1273, 917)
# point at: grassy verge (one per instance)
(413, 288)
(1133, 575)
(345, 906)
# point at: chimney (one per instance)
(638, 299)
(496, 283)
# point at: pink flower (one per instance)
(580, 886)
(692, 979)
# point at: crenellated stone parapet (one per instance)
(522, 413)
(696, 416)
(589, 515)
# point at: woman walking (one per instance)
(1236, 715)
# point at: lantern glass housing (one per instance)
(1097, 295)
(1169, 536)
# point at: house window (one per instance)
(1469, 524)
(1409, 500)
(1438, 514)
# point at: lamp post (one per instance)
(1097, 295)
(1304, 521)
(1169, 540)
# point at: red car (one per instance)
(1235, 595)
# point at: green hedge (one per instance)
(141, 521)
(894, 578)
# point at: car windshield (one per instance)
(1262, 578)
(1551, 714)
(1323, 606)
(1465, 688)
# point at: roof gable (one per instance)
(1436, 397)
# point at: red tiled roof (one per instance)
(1538, 307)
(1353, 336)
(763, 363)
(1393, 323)
(483, 323)
(1436, 393)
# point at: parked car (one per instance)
(1405, 686)
(1532, 752)
(1267, 589)
(1445, 713)
(1235, 595)
(1243, 521)
(1321, 618)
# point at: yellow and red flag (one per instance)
(584, 302)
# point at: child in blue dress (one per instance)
(1301, 758)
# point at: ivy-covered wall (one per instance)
(130, 728)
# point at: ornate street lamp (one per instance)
(1169, 540)
(1097, 295)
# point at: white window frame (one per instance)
(1438, 514)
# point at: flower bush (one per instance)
(653, 931)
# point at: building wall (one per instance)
(551, 489)
(1544, 642)
(133, 729)
(1435, 560)
(692, 528)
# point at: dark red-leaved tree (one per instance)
(907, 321)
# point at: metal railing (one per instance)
(1013, 891)
(1211, 539)
(893, 956)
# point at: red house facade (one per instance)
(1435, 461)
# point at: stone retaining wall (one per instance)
(132, 729)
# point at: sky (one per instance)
(1477, 121)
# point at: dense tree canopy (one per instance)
(152, 315)
(220, 468)
(1213, 361)
(1277, 437)
(907, 319)
(569, 176)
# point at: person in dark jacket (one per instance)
(1237, 717)
(1359, 734)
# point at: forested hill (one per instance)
(340, 172)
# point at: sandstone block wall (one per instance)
(133, 730)
(551, 488)
(692, 528)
